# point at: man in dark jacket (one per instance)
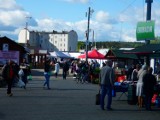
(149, 82)
(9, 73)
(107, 79)
(65, 69)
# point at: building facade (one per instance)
(50, 41)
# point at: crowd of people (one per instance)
(142, 75)
(84, 72)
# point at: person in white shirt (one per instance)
(57, 67)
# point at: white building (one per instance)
(51, 41)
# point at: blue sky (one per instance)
(112, 20)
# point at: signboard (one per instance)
(5, 47)
(9, 55)
(145, 30)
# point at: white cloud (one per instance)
(12, 17)
(9, 5)
(106, 27)
(105, 17)
(102, 16)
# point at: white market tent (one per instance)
(58, 54)
(74, 54)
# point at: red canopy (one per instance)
(94, 54)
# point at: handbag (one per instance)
(98, 97)
(21, 83)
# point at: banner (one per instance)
(145, 30)
(9, 55)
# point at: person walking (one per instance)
(65, 70)
(9, 73)
(47, 72)
(26, 69)
(57, 67)
(149, 82)
(139, 87)
(107, 79)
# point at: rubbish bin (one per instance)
(132, 98)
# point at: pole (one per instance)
(148, 17)
(87, 34)
(26, 34)
(148, 14)
(149, 5)
(26, 43)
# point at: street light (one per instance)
(27, 17)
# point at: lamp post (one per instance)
(87, 33)
(27, 17)
(95, 37)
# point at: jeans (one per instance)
(47, 77)
(24, 79)
(147, 100)
(64, 74)
(9, 83)
(106, 90)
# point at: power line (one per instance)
(128, 6)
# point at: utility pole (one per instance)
(87, 33)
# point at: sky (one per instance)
(111, 20)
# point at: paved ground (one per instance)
(66, 100)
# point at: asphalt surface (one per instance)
(67, 100)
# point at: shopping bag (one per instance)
(98, 96)
(113, 93)
(29, 77)
(21, 73)
(21, 83)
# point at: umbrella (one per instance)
(94, 54)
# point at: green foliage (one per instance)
(96, 71)
(96, 81)
(81, 45)
(113, 45)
